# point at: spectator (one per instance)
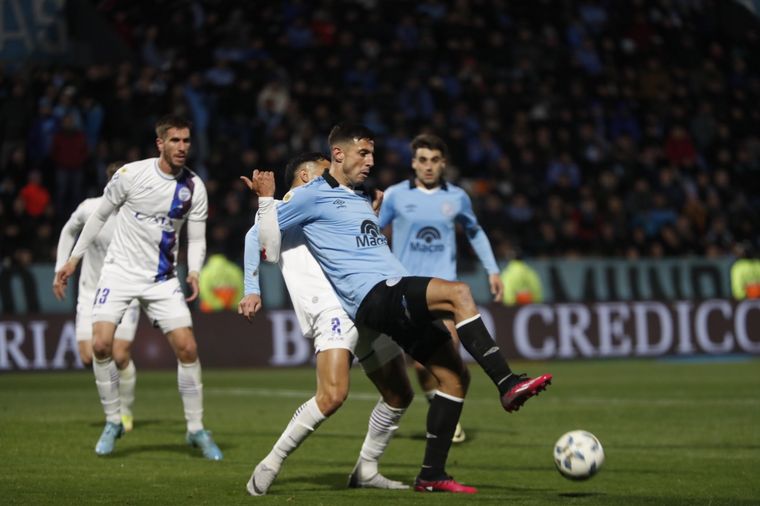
(621, 103)
(521, 283)
(35, 196)
(69, 155)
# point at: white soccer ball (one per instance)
(578, 455)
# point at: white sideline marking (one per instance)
(545, 398)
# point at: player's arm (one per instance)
(377, 201)
(251, 302)
(270, 237)
(90, 230)
(66, 242)
(196, 238)
(387, 214)
(262, 183)
(387, 209)
(297, 207)
(196, 254)
(479, 242)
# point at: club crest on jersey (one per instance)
(447, 209)
(427, 240)
(370, 236)
(184, 194)
(287, 196)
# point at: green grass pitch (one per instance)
(673, 433)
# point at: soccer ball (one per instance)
(578, 455)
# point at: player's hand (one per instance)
(497, 287)
(192, 282)
(61, 279)
(249, 306)
(59, 289)
(261, 182)
(377, 201)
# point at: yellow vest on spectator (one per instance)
(221, 284)
(521, 284)
(745, 279)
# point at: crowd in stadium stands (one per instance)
(594, 128)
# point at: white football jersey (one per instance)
(153, 207)
(92, 262)
(310, 291)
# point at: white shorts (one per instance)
(334, 329)
(125, 330)
(162, 301)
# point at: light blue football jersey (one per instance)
(343, 234)
(424, 231)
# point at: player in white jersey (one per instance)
(92, 264)
(336, 341)
(154, 198)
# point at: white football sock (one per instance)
(107, 381)
(383, 423)
(305, 420)
(191, 391)
(127, 380)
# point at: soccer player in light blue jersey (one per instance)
(336, 341)
(374, 288)
(422, 214)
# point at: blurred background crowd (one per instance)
(587, 128)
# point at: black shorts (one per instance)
(400, 310)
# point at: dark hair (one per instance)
(166, 123)
(112, 167)
(429, 141)
(343, 132)
(294, 163)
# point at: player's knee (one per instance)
(187, 352)
(402, 400)
(454, 383)
(331, 400)
(460, 294)
(101, 348)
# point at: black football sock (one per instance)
(442, 418)
(478, 342)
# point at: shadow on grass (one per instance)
(330, 481)
(581, 495)
(142, 422)
(472, 435)
(176, 448)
